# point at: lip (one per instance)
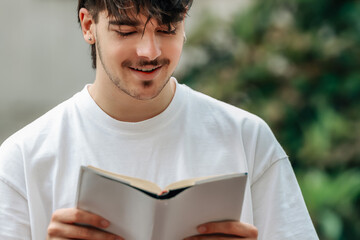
(146, 76)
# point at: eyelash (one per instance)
(125, 34)
(171, 32)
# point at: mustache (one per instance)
(142, 63)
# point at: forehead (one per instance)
(138, 20)
(130, 20)
(141, 16)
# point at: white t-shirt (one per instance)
(195, 136)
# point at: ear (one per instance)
(87, 25)
(183, 27)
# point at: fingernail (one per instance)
(105, 223)
(202, 229)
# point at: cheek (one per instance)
(118, 54)
(174, 51)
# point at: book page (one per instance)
(130, 211)
(135, 182)
(198, 180)
(214, 199)
(135, 215)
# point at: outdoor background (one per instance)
(295, 63)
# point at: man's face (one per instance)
(139, 60)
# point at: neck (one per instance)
(123, 107)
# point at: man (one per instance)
(135, 119)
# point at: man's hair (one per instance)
(165, 12)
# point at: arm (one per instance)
(14, 214)
(278, 205)
(15, 220)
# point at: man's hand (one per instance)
(225, 230)
(65, 224)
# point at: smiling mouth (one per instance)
(145, 70)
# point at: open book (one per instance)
(140, 210)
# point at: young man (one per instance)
(135, 119)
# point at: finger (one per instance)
(66, 231)
(56, 238)
(73, 215)
(240, 229)
(216, 237)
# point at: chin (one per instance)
(147, 91)
(142, 89)
(150, 89)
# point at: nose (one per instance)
(148, 47)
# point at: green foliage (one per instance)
(296, 63)
(331, 201)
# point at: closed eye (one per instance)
(171, 32)
(125, 34)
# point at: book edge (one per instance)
(138, 183)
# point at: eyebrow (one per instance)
(126, 22)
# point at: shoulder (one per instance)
(211, 108)
(33, 136)
(33, 140)
(247, 125)
(249, 131)
(45, 124)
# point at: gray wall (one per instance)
(44, 59)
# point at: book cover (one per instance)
(140, 210)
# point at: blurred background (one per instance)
(295, 63)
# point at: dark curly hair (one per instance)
(163, 11)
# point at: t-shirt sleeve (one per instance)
(14, 211)
(278, 206)
(279, 210)
(14, 214)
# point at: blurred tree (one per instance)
(295, 63)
